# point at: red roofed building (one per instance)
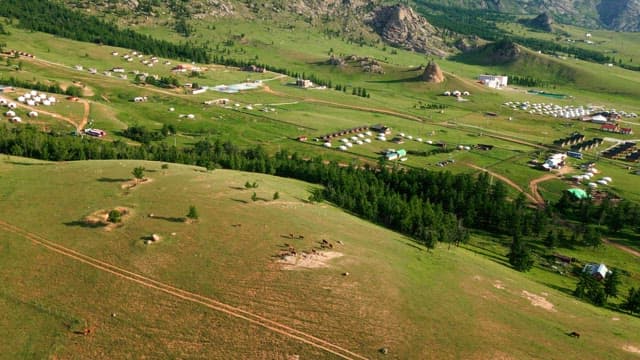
(610, 128)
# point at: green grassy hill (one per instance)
(446, 304)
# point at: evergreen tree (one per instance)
(519, 255)
(551, 240)
(562, 239)
(592, 237)
(632, 304)
(114, 216)
(254, 197)
(590, 289)
(276, 195)
(615, 219)
(138, 172)
(430, 240)
(611, 284)
(193, 213)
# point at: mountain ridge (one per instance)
(621, 15)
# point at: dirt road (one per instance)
(267, 89)
(533, 185)
(53, 115)
(85, 115)
(622, 247)
(141, 280)
(506, 180)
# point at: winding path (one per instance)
(253, 318)
(533, 184)
(506, 180)
(622, 247)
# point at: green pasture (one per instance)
(445, 303)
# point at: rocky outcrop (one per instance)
(433, 73)
(367, 64)
(501, 52)
(400, 26)
(469, 43)
(542, 22)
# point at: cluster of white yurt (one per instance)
(33, 98)
(357, 139)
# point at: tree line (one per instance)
(527, 81)
(53, 18)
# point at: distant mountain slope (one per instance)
(397, 25)
(511, 58)
(620, 14)
(612, 14)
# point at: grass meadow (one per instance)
(444, 304)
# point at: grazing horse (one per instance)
(575, 334)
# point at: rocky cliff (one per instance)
(542, 22)
(400, 26)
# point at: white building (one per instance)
(598, 119)
(304, 83)
(554, 161)
(494, 81)
(600, 271)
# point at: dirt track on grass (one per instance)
(533, 184)
(622, 247)
(506, 180)
(255, 319)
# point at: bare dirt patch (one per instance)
(631, 349)
(498, 285)
(308, 261)
(134, 182)
(537, 300)
(100, 218)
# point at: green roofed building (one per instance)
(578, 193)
